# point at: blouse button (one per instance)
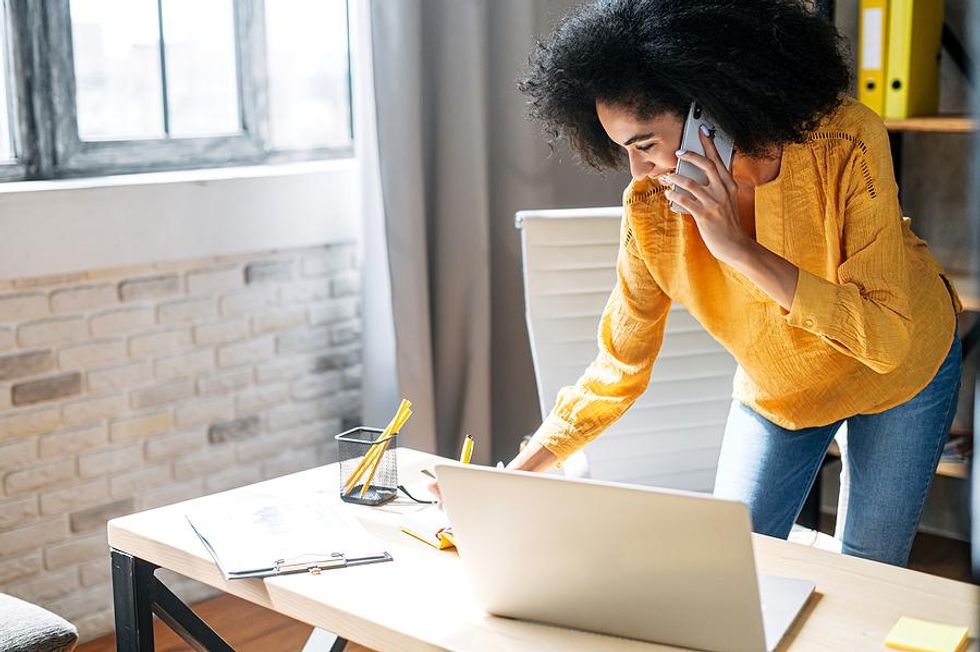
(808, 323)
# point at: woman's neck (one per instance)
(751, 172)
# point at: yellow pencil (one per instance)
(467, 450)
(376, 462)
(365, 462)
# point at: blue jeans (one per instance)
(889, 461)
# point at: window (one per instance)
(137, 85)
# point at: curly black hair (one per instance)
(766, 70)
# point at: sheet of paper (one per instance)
(250, 533)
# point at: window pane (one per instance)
(116, 46)
(202, 81)
(309, 92)
(6, 148)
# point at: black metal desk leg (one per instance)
(132, 598)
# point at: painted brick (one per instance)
(123, 321)
(305, 292)
(154, 287)
(292, 415)
(81, 603)
(85, 412)
(327, 312)
(7, 339)
(110, 460)
(18, 307)
(265, 447)
(84, 297)
(236, 476)
(246, 351)
(316, 385)
(16, 512)
(95, 518)
(29, 422)
(137, 481)
(31, 537)
(94, 625)
(184, 365)
(17, 453)
(52, 331)
(49, 474)
(6, 400)
(86, 494)
(282, 369)
(220, 332)
(248, 302)
(76, 550)
(345, 333)
(187, 310)
(290, 462)
(174, 492)
(47, 389)
(337, 358)
(18, 567)
(95, 354)
(201, 463)
(278, 320)
(353, 377)
(45, 587)
(160, 343)
(154, 395)
(140, 426)
(303, 340)
(31, 363)
(214, 281)
(174, 444)
(122, 378)
(204, 411)
(347, 284)
(96, 571)
(332, 260)
(243, 428)
(259, 398)
(59, 444)
(225, 381)
(268, 271)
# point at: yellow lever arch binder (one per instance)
(872, 50)
(915, 29)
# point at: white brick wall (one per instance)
(195, 377)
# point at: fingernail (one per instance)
(680, 151)
(705, 130)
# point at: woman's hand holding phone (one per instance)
(714, 206)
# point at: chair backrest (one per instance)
(671, 436)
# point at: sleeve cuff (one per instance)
(814, 303)
(559, 437)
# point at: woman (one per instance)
(798, 259)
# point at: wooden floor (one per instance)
(250, 628)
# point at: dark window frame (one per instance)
(44, 127)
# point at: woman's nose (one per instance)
(639, 168)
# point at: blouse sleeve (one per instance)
(631, 331)
(864, 311)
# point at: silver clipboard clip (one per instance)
(335, 560)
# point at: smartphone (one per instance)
(691, 141)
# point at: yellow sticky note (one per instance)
(924, 636)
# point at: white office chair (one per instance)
(672, 436)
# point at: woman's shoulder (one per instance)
(852, 125)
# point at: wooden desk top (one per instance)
(421, 601)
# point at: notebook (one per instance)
(266, 535)
(430, 525)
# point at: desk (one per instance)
(403, 605)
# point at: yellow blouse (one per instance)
(871, 319)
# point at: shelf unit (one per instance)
(948, 469)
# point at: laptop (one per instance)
(657, 565)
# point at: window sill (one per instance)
(72, 225)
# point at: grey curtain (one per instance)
(457, 159)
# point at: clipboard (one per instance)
(265, 536)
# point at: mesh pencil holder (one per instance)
(352, 446)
